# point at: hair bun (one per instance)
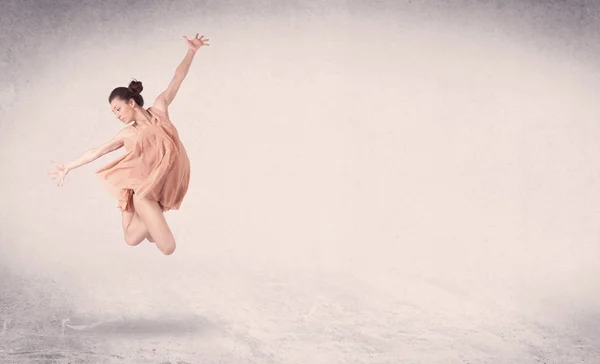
(136, 86)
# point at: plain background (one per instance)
(444, 153)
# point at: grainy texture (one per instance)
(372, 182)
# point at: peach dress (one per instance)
(155, 166)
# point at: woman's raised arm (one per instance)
(166, 97)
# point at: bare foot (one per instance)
(149, 238)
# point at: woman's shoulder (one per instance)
(158, 112)
(126, 132)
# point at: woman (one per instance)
(153, 176)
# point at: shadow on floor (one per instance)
(167, 325)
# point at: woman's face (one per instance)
(124, 111)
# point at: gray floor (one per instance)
(231, 312)
(389, 182)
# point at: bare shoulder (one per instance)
(125, 132)
(160, 106)
(116, 142)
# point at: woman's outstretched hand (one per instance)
(59, 173)
(196, 42)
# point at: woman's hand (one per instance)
(197, 42)
(59, 173)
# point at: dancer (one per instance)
(153, 175)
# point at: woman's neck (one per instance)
(142, 116)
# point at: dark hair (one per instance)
(128, 93)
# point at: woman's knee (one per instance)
(167, 249)
(132, 238)
(131, 241)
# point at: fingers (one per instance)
(198, 37)
(58, 166)
(57, 176)
(59, 179)
(53, 174)
(198, 41)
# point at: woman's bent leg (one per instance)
(153, 218)
(134, 229)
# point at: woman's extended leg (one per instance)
(134, 229)
(153, 217)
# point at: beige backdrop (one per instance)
(370, 182)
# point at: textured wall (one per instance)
(453, 143)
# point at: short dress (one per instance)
(155, 166)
